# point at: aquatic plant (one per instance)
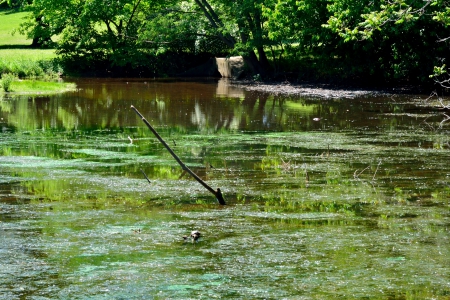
(311, 211)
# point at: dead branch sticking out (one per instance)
(146, 177)
(217, 193)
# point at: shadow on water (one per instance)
(328, 198)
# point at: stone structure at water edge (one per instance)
(230, 67)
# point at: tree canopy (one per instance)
(357, 41)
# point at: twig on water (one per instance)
(145, 175)
(217, 193)
(356, 174)
(376, 170)
(443, 121)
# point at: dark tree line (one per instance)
(351, 41)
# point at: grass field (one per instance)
(9, 22)
(18, 58)
(27, 54)
(16, 55)
(15, 48)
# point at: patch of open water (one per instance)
(327, 198)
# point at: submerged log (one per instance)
(217, 193)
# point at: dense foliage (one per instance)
(353, 41)
(14, 3)
(406, 38)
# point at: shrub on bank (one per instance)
(7, 80)
(25, 68)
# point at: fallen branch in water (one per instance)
(217, 193)
(145, 175)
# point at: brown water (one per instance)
(327, 198)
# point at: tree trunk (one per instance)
(259, 66)
(264, 62)
(39, 40)
(252, 62)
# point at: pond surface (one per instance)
(326, 198)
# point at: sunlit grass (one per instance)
(40, 87)
(13, 55)
(28, 62)
(16, 57)
(9, 23)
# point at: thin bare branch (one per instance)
(443, 40)
(376, 170)
(216, 193)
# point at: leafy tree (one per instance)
(353, 40)
(405, 35)
(241, 26)
(123, 36)
(295, 30)
(14, 3)
(441, 72)
(177, 28)
(91, 31)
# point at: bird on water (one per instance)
(195, 235)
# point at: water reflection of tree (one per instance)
(184, 106)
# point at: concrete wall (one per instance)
(230, 67)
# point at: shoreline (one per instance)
(326, 91)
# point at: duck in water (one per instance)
(195, 235)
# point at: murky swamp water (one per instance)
(327, 198)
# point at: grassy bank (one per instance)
(37, 69)
(26, 63)
(37, 87)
